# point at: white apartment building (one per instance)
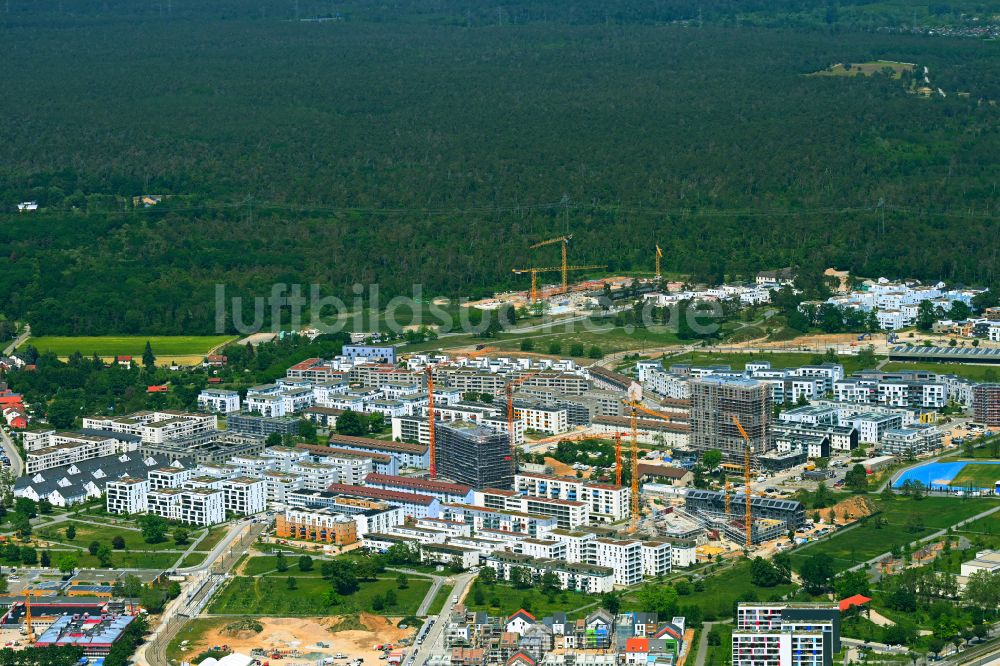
(266, 405)
(280, 484)
(656, 558)
(169, 477)
(872, 426)
(155, 427)
(69, 448)
(605, 502)
(622, 557)
(127, 496)
(202, 506)
(550, 420)
(544, 549)
(318, 476)
(245, 496)
(220, 401)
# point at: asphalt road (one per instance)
(18, 341)
(16, 464)
(434, 641)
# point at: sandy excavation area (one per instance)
(302, 634)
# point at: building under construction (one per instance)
(715, 401)
(772, 518)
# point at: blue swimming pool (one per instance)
(937, 473)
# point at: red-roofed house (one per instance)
(124, 360)
(858, 600)
(162, 388)
(15, 418)
(636, 650)
(521, 658)
(519, 622)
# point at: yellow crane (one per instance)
(747, 452)
(564, 242)
(659, 255)
(551, 269)
(27, 616)
(431, 440)
(634, 401)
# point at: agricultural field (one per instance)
(902, 520)
(501, 599)
(164, 346)
(976, 476)
(895, 69)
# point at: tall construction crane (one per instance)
(634, 401)
(552, 269)
(659, 255)
(747, 452)
(27, 616)
(564, 241)
(431, 441)
(508, 390)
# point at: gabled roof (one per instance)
(521, 657)
(525, 615)
(856, 600)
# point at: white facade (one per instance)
(220, 401)
(126, 496)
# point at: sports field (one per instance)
(977, 475)
(130, 345)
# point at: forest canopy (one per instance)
(401, 144)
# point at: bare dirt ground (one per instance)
(286, 634)
(849, 510)
(562, 469)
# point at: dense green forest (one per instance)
(432, 142)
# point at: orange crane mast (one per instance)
(747, 451)
(27, 616)
(564, 241)
(551, 269)
(431, 440)
(659, 255)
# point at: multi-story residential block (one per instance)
(220, 401)
(872, 426)
(407, 455)
(623, 557)
(316, 525)
(442, 490)
(605, 502)
(550, 420)
(244, 496)
(911, 441)
(588, 578)
(986, 404)
(656, 558)
(474, 455)
(667, 434)
(202, 506)
(69, 448)
(127, 495)
(372, 353)
(786, 634)
(262, 426)
(715, 401)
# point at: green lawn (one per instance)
(265, 564)
(861, 543)
(120, 559)
(501, 599)
(721, 654)
(970, 371)
(86, 533)
(129, 345)
(976, 476)
(777, 359)
(193, 559)
(440, 599)
(270, 595)
(725, 587)
(212, 539)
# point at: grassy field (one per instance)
(270, 595)
(724, 588)
(866, 541)
(212, 539)
(867, 68)
(86, 533)
(120, 559)
(193, 559)
(777, 359)
(130, 345)
(981, 373)
(192, 631)
(976, 476)
(440, 599)
(500, 599)
(721, 655)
